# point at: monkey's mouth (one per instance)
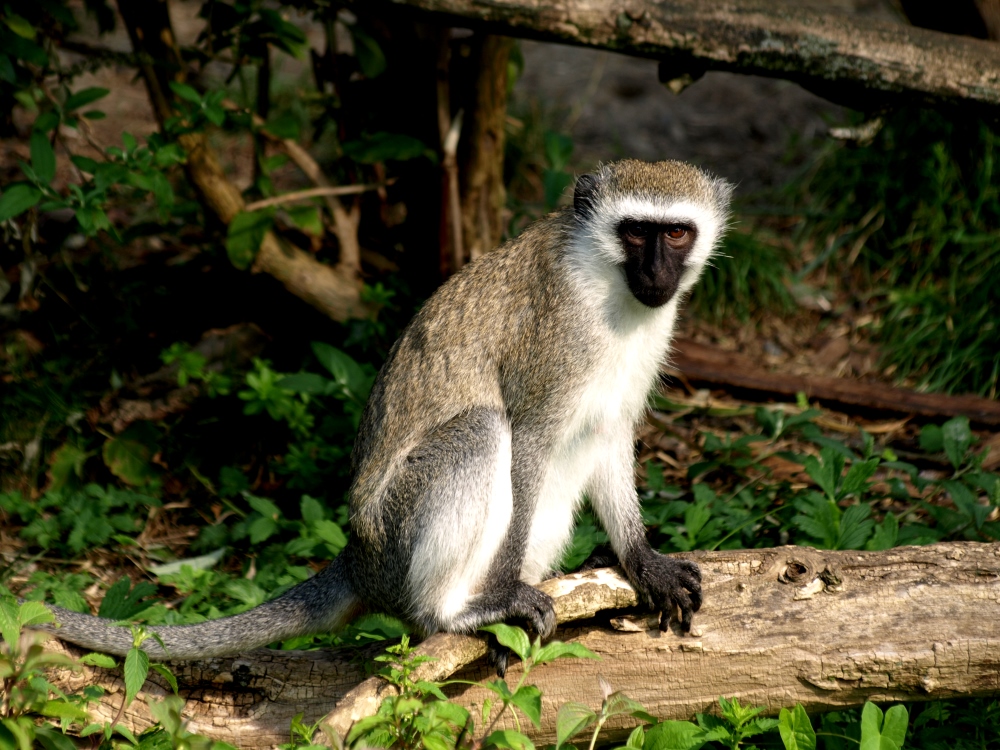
(653, 277)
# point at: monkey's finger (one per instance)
(689, 568)
(497, 656)
(677, 600)
(693, 587)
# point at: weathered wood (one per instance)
(859, 62)
(701, 365)
(779, 626)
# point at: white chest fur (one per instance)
(605, 412)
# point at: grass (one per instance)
(912, 220)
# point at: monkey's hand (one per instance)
(668, 586)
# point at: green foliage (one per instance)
(838, 500)
(420, 715)
(746, 279)
(70, 522)
(913, 217)
(32, 712)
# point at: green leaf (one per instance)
(33, 613)
(43, 158)
(636, 739)
(558, 650)
(52, 739)
(185, 92)
(855, 527)
(878, 736)
(931, 438)
(957, 438)
(513, 638)
(362, 726)
(261, 529)
(125, 732)
(346, 372)
(306, 218)
(59, 709)
(886, 534)
(510, 739)
(370, 57)
(98, 660)
(572, 719)
(65, 463)
(796, 729)
(305, 382)
(10, 626)
(312, 509)
(967, 502)
(330, 532)
(136, 670)
(382, 146)
(122, 602)
(528, 698)
(857, 477)
(84, 97)
(263, 506)
(128, 456)
(674, 735)
(167, 675)
(246, 232)
(17, 199)
(18, 25)
(894, 729)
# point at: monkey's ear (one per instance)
(583, 196)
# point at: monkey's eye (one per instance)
(636, 230)
(676, 232)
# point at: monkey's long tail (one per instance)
(322, 604)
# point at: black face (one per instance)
(654, 258)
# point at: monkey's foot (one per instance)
(669, 585)
(506, 602)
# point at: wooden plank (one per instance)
(707, 365)
(860, 62)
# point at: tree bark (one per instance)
(483, 194)
(779, 626)
(858, 62)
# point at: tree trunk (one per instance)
(858, 62)
(778, 627)
(483, 194)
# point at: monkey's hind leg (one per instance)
(460, 486)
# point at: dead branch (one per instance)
(859, 62)
(703, 364)
(779, 626)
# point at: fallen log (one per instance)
(779, 626)
(707, 365)
(859, 62)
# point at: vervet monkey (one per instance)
(513, 393)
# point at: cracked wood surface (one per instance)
(779, 626)
(858, 62)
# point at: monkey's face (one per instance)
(649, 227)
(655, 256)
